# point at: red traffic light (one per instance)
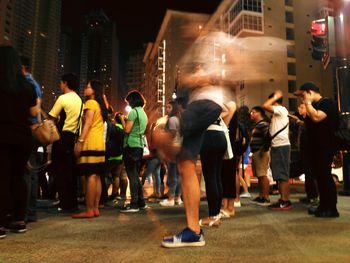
(319, 27)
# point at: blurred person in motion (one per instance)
(19, 103)
(90, 147)
(207, 103)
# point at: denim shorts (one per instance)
(280, 162)
(194, 122)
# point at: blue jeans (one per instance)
(31, 179)
(153, 167)
(132, 159)
(174, 183)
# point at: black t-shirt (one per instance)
(14, 120)
(321, 134)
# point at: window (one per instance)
(288, 2)
(291, 69)
(293, 104)
(290, 51)
(252, 5)
(253, 22)
(292, 86)
(289, 17)
(290, 34)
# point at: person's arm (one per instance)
(128, 124)
(88, 120)
(315, 115)
(56, 109)
(228, 112)
(35, 110)
(268, 105)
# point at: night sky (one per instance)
(138, 21)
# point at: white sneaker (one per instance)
(237, 204)
(245, 195)
(167, 202)
(178, 201)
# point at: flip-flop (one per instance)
(213, 222)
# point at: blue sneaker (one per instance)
(186, 238)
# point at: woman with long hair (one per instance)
(174, 184)
(134, 128)
(90, 147)
(19, 102)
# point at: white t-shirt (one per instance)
(278, 121)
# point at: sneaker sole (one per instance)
(263, 204)
(18, 231)
(281, 208)
(184, 244)
(130, 211)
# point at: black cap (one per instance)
(307, 87)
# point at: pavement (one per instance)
(255, 234)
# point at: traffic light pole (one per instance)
(342, 36)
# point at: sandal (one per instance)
(212, 222)
(224, 214)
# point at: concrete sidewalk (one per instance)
(255, 234)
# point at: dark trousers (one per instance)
(64, 171)
(132, 160)
(228, 177)
(13, 190)
(321, 162)
(212, 152)
(31, 179)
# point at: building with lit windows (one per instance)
(135, 69)
(288, 20)
(100, 53)
(33, 28)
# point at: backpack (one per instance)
(342, 133)
(114, 140)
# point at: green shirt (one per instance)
(134, 138)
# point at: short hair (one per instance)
(181, 101)
(135, 99)
(279, 101)
(259, 109)
(26, 62)
(71, 80)
(117, 117)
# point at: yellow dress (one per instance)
(92, 156)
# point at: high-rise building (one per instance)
(100, 53)
(287, 20)
(135, 69)
(33, 28)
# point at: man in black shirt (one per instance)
(321, 122)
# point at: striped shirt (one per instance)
(259, 133)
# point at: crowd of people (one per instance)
(203, 125)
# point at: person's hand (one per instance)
(307, 97)
(278, 94)
(293, 118)
(77, 149)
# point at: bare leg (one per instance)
(90, 190)
(284, 190)
(98, 189)
(264, 186)
(190, 193)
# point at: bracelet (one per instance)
(80, 140)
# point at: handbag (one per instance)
(46, 132)
(146, 151)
